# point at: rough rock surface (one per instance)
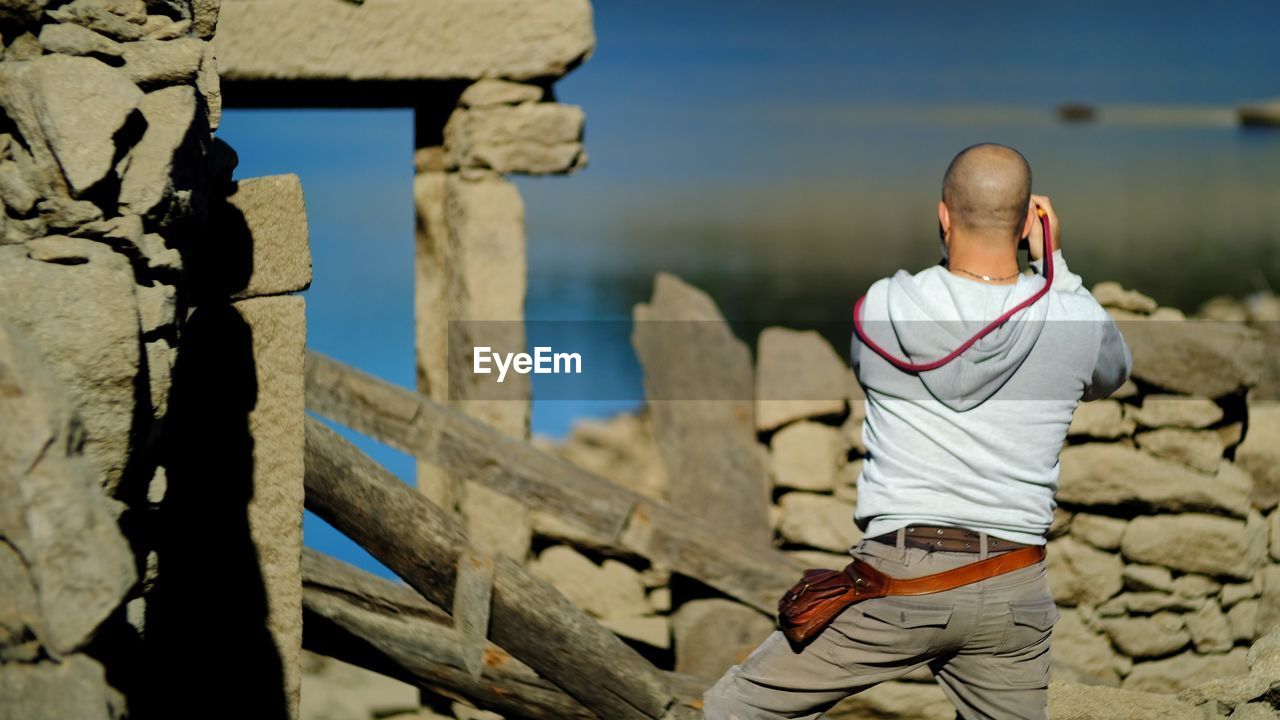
(77, 104)
(52, 511)
(711, 635)
(1197, 449)
(1079, 702)
(75, 688)
(1157, 411)
(818, 521)
(1082, 574)
(1198, 357)
(806, 456)
(798, 376)
(1171, 674)
(532, 138)
(610, 590)
(1100, 419)
(1196, 542)
(698, 379)
(1111, 474)
(1259, 454)
(84, 317)
(148, 176)
(401, 39)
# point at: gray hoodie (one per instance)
(975, 443)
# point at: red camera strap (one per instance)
(911, 367)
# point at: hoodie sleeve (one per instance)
(1114, 361)
(1063, 278)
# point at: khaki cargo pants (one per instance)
(987, 643)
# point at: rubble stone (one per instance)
(1198, 543)
(1198, 449)
(805, 456)
(1111, 474)
(798, 376)
(818, 521)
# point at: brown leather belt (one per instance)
(949, 539)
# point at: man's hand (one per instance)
(1035, 241)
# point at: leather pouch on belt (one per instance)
(811, 604)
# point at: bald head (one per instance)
(987, 189)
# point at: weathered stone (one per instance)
(160, 257)
(805, 456)
(620, 449)
(334, 690)
(652, 630)
(712, 635)
(1111, 474)
(818, 521)
(1061, 523)
(74, 688)
(73, 106)
(84, 319)
(266, 219)
(64, 214)
(847, 475)
(698, 380)
(101, 16)
(1210, 631)
(510, 537)
(1081, 655)
(60, 249)
(1259, 454)
(1274, 523)
(610, 590)
(535, 138)
(155, 63)
(1147, 577)
(798, 376)
(493, 91)
(209, 85)
(149, 175)
(1147, 603)
(401, 39)
(1269, 601)
(1184, 670)
(1079, 702)
(1197, 357)
(660, 599)
(1147, 636)
(155, 306)
(1112, 294)
(278, 331)
(1157, 411)
(1079, 573)
(71, 39)
(160, 359)
(1243, 619)
(1198, 449)
(21, 11)
(1261, 710)
(1199, 543)
(1099, 531)
(1223, 308)
(163, 27)
(19, 608)
(1233, 593)
(1193, 585)
(1262, 679)
(51, 508)
(1100, 419)
(17, 195)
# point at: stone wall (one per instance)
(1164, 557)
(151, 364)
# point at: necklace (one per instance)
(987, 278)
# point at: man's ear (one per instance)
(1026, 226)
(944, 219)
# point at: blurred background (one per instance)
(783, 156)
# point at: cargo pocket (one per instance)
(1030, 622)
(892, 624)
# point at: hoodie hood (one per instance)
(926, 316)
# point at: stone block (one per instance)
(1181, 411)
(798, 376)
(1184, 670)
(1100, 531)
(401, 39)
(1197, 449)
(1101, 419)
(806, 455)
(1110, 474)
(74, 688)
(818, 521)
(1079, 573)
(712, 635)
(262, 246)
(1196, 357)
(1259, 453)
(532, 138)
(1197, 543)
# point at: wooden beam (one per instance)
(530, 618)
(609, 515)
(388, 628)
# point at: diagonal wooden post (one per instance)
(530, 618)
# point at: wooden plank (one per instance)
(388, 628)
(472, 600)
(530, 619)
(608, 515)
